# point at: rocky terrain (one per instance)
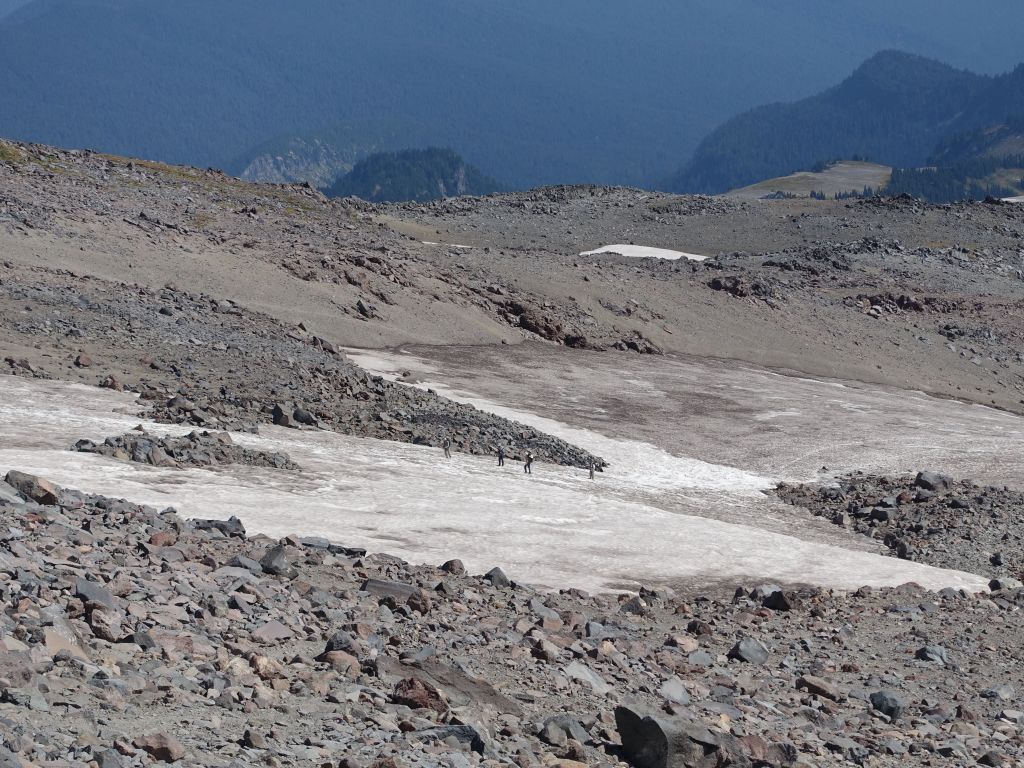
(929, 518)
(829, 275)
(132, 637)
(196, 449)
(213, 364)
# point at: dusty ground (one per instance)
(289, 253)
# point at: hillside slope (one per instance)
(799, 285)
(413, 175)
(893, 109)
(844, 177)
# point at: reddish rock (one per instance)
(417, 694)
(164, 539)
(161, 747)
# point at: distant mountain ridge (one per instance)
(894, 109)
(415, 175)
(534, 91)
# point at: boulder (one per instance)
(584, 674)
(282, 417)
(302, 416)
(674, 690)
(272, 632)
(750, 651)
(230, 527)
(33, 488)
(935, 653)
(1004, 583)
(276, 563)
(651, 740)
(417, 694)
(889, 703)
(394, 589)
(498, 578)
(558, 729)
(819, 686)
(91, 592)
(161, 747)
(933, 481)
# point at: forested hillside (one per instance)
(987, 162)
(413, 174)
(893, 110)
(533, 91)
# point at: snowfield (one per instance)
(654, 516)
(643, 252)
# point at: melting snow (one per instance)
(644, 252)
(554, 528)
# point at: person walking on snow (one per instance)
(501, 455)
(593, 466)
(447, 445)
(528, 466)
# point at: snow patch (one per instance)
(644, 252)
(555, 528)
(448, 245)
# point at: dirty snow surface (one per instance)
(682, 502)
(643, 252)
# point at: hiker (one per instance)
(593, 466)
(528, 466)
(501, 455)
(447, 445)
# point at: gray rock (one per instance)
(230, 527)
(934, 653)
(498, 578)
(465, 734)
(33, 488)
(400, 592)
(9, 495)
(1004, 583)
(241, 561)
(655, 741)
(933, 481)
(90, 591)
(1001, 692)
(700, 658)
(848, 748)
(275, 562)
(30, 698)
(581, 672)
(109, 758)
(889, 703)
(749, 650)
(558, 729)
(819, 686)
(542, 610)
(673, 690)
(302, 416)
